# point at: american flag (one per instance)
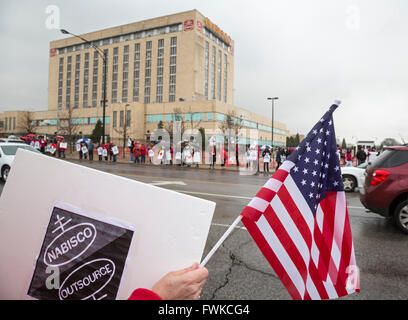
(299, 220)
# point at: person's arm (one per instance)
(185, 284)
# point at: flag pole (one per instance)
(222, 239)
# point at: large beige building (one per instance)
(177, 64)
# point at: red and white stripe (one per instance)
(310, 254)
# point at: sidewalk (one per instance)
(120, 159)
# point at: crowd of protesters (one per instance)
(362, 155)
(188, 154)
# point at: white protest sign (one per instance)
(53, 149)
(84, 150)
(100, 151)
(161, 153)
(37, 145)
(253, 156)
(63, 145)
(188, 157)
(197, 157)
(151, 153)
(115, 150)
(105, 152)
(78, 147)
(178, 155)
(168, 155)
(131, 251)
(267, 158)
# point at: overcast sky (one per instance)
(307, 53)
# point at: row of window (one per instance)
(208, 33)
(9, 123)
(125, 75)
(199, 116)
(54, 122)
(127, 37)
(124, 117)
(216, 72)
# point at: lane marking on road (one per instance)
(237, 197)
(213, 194)
(165, 183)
(352, 207)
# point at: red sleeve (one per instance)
(144, 294)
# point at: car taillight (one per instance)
(379, 176)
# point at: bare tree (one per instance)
(233, 123)
(27, 123)
(67, 126)
(124, 128)
(183, 124)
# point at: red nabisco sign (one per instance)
(53, 52)
(189, 25)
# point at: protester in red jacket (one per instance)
(185, 284)
(143, 153)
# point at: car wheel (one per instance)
(401, 216)
(349, 183)
(5, 172)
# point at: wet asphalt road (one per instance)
(238, 270)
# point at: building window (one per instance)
(95, 80)
(173, 60)
(210, 116)
(77, 70)
(154, 118)
(115, 116)
(121, 118)
(68, 83)
(219, 61)
(206, 68)
(125, 74)
(115, 75)
(60, 82)
(148, 70)
(213, 74)
(225, 78)
(136, 73)
(160, 60)
(195, 117)
(221, 117)
(86, 76)
(128, 117)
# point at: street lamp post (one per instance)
(273, 114)
(103, 56)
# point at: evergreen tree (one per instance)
(97, 132)
(160, 125)
(297, 139)
(344, 144)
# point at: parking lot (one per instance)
(238, 270)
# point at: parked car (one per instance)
(8, 151)
(11, 140)
(385, 189)
(353, 177)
